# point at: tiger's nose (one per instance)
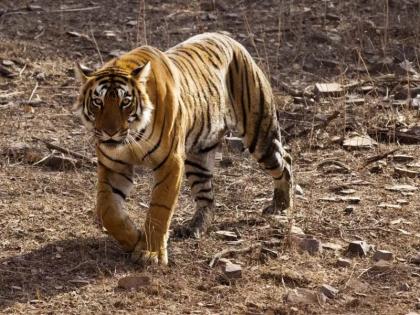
(111, 133)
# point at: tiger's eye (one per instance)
(125, 103)
(97, 102)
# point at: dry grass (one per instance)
(53, 257)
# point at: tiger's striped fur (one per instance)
(169, 110)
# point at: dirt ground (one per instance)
(55, 260)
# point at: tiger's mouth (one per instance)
(111, 142)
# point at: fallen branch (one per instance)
(333, 162)
(393, 135)
(378, 157)
(76, 155)
(229, 252)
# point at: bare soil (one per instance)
(55, 260)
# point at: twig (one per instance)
(51, 146)
(96, 46)
(320, 125)
(378, 157)
(33, 91)
(232, 251)
(334, 162)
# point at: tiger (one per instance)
(170, 111)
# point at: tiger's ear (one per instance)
(142, 72)
(82, 72)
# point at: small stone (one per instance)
(309, 244)
(383, 255)
(401, 188)
(381, 266)
(235, 143)
(376, 169)
(332, 246)
(389, 205)
(403, 172)
(305, 296)
(134, 282)
(358, 248)
(132, 23)
(269, 252)
(299, 190)
(347, 191)
(404, 287)
(7, 62)
(359, 142)
(402, 201)
(327, 89)
(349, 209)
(329, 291)
(351, 199)
(343, 262)
(227, 235)
(296, 230)
(233, 271)
(415, 259)
(402, 158)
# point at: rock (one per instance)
(349, 209)
(296, 230)
(305, 296)
(389, 205)
(351, 199)
(401, 188)
(358, 248)
(299, 190)
(343, 262)
(235, 144)
(233, 271)
(311, 245)
(402, 158)
(381, 266)
(227, 235)
(359, 142)
(328, 89)
(332, 246)
(347, 191)
(383, 255)
(403, 172)
(376, 169)
(134, 282)
(415, 259)
(412, 313)
(269, 252)
(329, 291)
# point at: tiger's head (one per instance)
(114, 103)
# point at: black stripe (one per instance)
(159, 141)
(118, 192)
(208, 149)
(198, 174)
(208, 54)
(130, 179)
(196, 165)
(111, 159)
(169, 153)
(162, 180)
(200, 198)
(259, 119)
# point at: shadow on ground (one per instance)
(59, 267)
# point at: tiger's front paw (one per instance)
(150, 250)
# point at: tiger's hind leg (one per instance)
(199, 171)
(278, 163)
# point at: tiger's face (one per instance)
(114, 105)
